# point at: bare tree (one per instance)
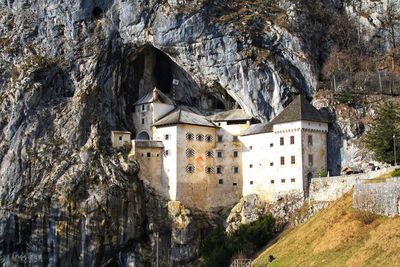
(390, 22)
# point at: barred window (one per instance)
(293, 160)
(219, 170)
(209, 170)
(283, 181)
(293, 180)
(189, 153)
(209, 138)
(200, 137)
(282, 141)
(292, 140)
(282, 160)
(166, 153)
(209, 154)
(235, 154)
(219, 154)
(189, 136)
(190, 169)
(235, 169)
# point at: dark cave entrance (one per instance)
(163, 72)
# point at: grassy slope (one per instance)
(336, 236)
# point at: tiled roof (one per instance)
(299, 110)
(258, 128)
(149, 98)
(230, 115)
(182, 116)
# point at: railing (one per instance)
(241, 263)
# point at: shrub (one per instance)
(322, 173)
(396, 173)
(346, 97)
(218, 248)
(366, 217)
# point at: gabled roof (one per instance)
(149, 98)
(230, 115)
(299, 110)
(259, 128)
(182, 116)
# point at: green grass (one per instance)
(337, 236)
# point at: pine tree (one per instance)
(383, 128)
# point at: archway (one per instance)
(143, 136)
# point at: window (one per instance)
(189, 153)
(235, 138)
(293, 160)
(166, 153)
(221, 181)
(282, 160)
(235, 154)
(293, 180)
(219, 170)
(271, 164)
(251, 182)
(272, 181)
(235, 169)
(143, 108)
(310, 141)
(158, 155)
(200, 137)
(120, 138)
(271, 145)
(148, 154)
(142, 121)
(189, 136)
(283, 181)
(220, 138)
(310, 160)
(190, 169)
(251, 166)
(219, 124)
(292, 140)
(234, 184)
(209, 138)
(282, 141)
(251, 147)
(209, 170)
(219, 154)
(142, 155)
(209, 154)
(167, 137)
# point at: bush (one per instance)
(396, 173)
(218, 248)
(346, 97)
(366, 217)
(322, 173)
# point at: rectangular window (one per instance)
(282, 141)
(235, 169)
(235, 139)
(220, 138)
(251, 147)
(251, 182)
(310, 141)
(293, 180)
(219, 154)
(293, 160)
(219, 170)
(283, 181)
(143, 108)
(251, 166)
(292, 140)
(271, 145)
(142, 121)
(234, 184)
(166, 153)
(310, 160)
(120, 138)
(272, 181)
(221, 181)
(148, 154)
(282, 160)
(235, 154)
(271, 164)
(167, 137)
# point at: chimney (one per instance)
(155, 95)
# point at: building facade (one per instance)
(210, 162)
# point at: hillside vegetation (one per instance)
(337, 236)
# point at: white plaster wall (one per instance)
(160, 110)
(126, 139)
(169, 167)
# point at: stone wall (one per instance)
(379, 198)
(332, 188)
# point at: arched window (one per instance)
(143, 136)
(190, 169)
(189, 136)
(209, 138)
(189, 153)
(200, 137)
(209, 170)
(209, 154)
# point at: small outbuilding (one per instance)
(120, 138)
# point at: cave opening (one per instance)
(163, 72)
(97, 13)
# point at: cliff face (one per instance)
(69, 74)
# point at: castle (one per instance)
(209, 162)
